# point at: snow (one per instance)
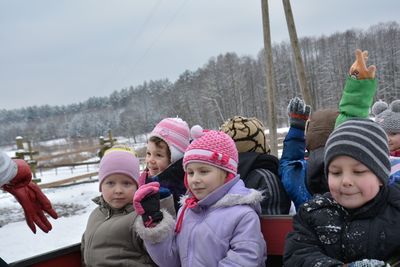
(18, 242)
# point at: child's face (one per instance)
(204, 178)
(394, 141)
(157, 159)
(351, 183)
(118, 190)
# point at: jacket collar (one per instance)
(231, 193)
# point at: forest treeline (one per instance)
(225, 86)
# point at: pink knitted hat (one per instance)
(119, 160)
(212, 147)
(175, 132)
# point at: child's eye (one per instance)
(360, 171)
(160, 155)
(148, 153)
(109, 183)
(334, 173)
(204, 171)
(190, 173)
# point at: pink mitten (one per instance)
(146, 202)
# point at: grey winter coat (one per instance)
(222, 230)
(327, 234)
(110, 238)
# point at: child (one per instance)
(388, 116)
(218, 224)
(303, 177)
(356, 223)
(110, 237)
(165, 148)
(257, 168)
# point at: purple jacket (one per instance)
(222, 230)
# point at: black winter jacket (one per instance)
(260, 171)
(327, 234)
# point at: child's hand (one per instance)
(298, 113)
(146, 202)
(359, 68)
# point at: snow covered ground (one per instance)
(72, 203)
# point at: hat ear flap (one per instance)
(379, 107)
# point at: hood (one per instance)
(316, 181)
(249, 161)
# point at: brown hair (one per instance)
(160, 143)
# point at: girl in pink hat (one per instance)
(218, 223)
(110, 238)
(167, 143)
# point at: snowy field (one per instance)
(73, 205)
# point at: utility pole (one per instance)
(301, 74)
(271, 95)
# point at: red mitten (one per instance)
(31, 198)
(146, 202)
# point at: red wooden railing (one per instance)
(274, 229)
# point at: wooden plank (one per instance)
(68, 180)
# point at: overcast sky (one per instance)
(60, 52)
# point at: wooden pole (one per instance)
(301, 74)
(271, 95)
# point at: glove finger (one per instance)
(371, 71)
(145, 190)
(292, 107)
(45, 203)
(151, 184)
(289, 106)
(42, 200)
(360, 59)
(42, 222)
(51, 212)
(365, 55)
(30, 223)
(307, 110)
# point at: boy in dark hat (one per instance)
(355, 223)
(302, 177)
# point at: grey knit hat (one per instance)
(387, 116)
(363, 140)
(8, 168)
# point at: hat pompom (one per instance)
(379, 107)
(395, 106)
(196, 132)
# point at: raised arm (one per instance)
(359, 90)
